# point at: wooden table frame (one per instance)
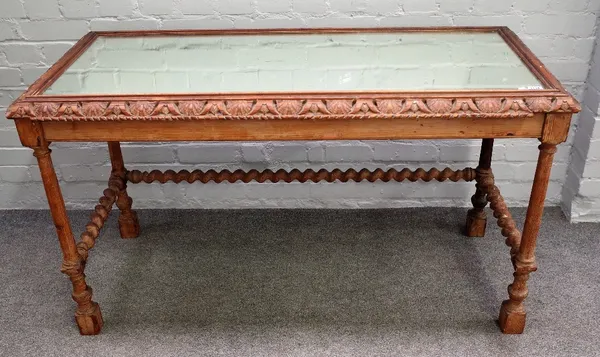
(488, 115)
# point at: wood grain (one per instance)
(512, 312)
(556, 128)
(88, 315)
(273, 130)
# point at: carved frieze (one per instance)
(247, 109)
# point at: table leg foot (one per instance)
(90, 322)
(476, 223)
(511, 322)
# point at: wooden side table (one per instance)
(309, 84)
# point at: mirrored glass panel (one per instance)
(296, 63)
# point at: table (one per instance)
(296, 84)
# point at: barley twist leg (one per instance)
(476, 217)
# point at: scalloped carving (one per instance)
(539, 104)
(239, 107)
(191, 108)
(439, 105)
(289, 107)
(493, 107)
(339, 106)
(142, 109)
(46, 109)
(489, 105)
(94, 109)
(390, 106)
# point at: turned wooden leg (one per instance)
(87, 315)
(129, 225)
(512, 312)
(476, 217)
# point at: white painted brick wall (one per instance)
(581, 192)
(122, 8)
(35, 33)
(78, 9)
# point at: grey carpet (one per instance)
(399, 282)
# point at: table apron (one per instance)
(301, 129)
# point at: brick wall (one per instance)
(35, 33)
(581, 192)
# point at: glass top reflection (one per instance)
(296, 63)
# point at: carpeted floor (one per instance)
(298, 283)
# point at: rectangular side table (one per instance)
(309, 84)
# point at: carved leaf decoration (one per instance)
(465, 106)
(565, 105)
(516, 106)
(264, 107)
(24, 110)
(288, 107)
(314, 107)
(46, 109)
(489, 105)
(415, 106)
(70, 109)
(239, 107)
(117, 109)
(537, 105)
(339, 107)
(214, 107)
(572, 104)
(94, 109)
(560, 105)
(166, 109)
(389, 106)
(439, 106)
(191, 108)
(364, 106)
(142, 108)
(497, 107)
